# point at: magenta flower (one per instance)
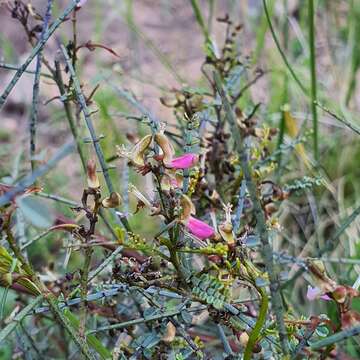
(316, 293)
(199, 228)
(185, 161)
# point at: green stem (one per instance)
(200, 19)
(313, 92)
(68, 112)
(283, 56)
(254, 335)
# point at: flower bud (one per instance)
(92, 178)
(168, 101)
(80, 4)
(185, 161)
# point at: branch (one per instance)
(41, 43)
(99, 153)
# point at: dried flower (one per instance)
(165, 145)
(112, 201)
(92, 178)
(185, 161)
(137, 154)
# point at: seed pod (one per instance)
(112, 201)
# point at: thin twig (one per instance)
(99, 153)
(17, 67)
(8, 329)
(350, 125)
(41, 43)
(340, 336)
(36, 88)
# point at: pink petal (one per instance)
(315, 293)
(312, 293)
(184, 161)
(199, 228)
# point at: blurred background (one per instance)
(150, 47)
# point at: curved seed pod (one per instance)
(170, 333)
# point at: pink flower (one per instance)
(185, 161)
(315, 293)
(199, 228)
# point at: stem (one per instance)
(36, 89)
(283, 56)
(254, 335)
(68, 112)
(95, 140)
(48, 295)
(41, 43)
(8, 329)
(29, 179)
(342, 335)
(84, 288)
(313, 92)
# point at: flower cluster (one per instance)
(141, 156)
